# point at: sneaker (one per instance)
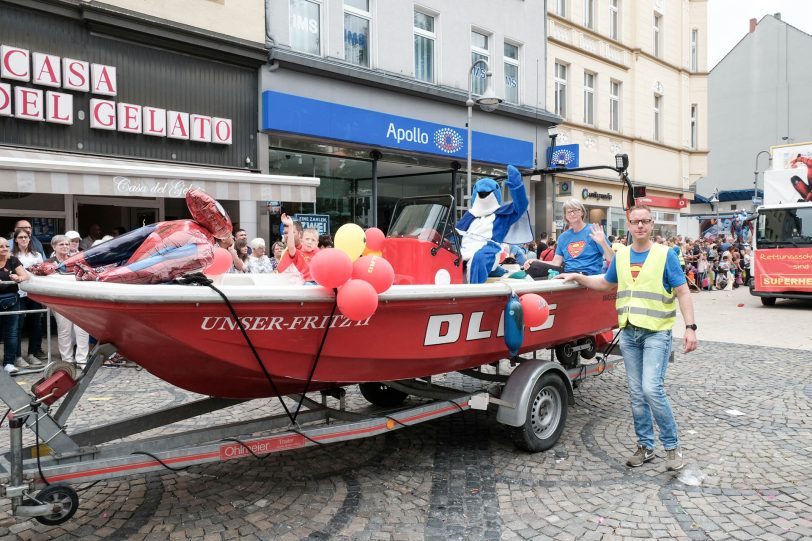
(20, 363)
(10, 369)
(32, 360)
(41, 355)
(674, 460)
(640, 457)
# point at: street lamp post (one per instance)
(488, 102)
(755, 175)
(552, 133)
(715, 201)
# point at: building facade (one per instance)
(629, 78)
(370, 97)
(108, 116)
(771, 63)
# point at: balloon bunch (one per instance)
(356, 269)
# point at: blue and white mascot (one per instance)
(489, 223)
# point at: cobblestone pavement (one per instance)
(744, 417)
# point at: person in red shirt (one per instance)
(302, 245)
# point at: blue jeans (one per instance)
(34, 324)
(645, 355)
(8, 324)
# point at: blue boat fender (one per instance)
(514, 324)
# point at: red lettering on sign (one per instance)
(29, 103)
(75, 73)
(46, 74)
(104, 114)
(104, 79)
(178, 125)
(59, 102)
(15, 63)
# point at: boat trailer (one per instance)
(531, 400)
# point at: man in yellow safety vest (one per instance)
(648, 277)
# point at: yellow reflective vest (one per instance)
(644, 302)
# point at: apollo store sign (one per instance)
(297, 115)
(49, 104)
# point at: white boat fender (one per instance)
(514, 324)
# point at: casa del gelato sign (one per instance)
(51, 104)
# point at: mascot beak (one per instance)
(483, 195)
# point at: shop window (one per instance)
(479, 51)
(305, 26)
(511, 73)
(424, 41)
(357, 22)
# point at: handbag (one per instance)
(8, 301)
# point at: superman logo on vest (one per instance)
(575, 248)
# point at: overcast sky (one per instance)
(729, 20)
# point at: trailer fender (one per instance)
(513, 402)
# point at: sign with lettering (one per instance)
(294, 114)
(44, 105)
(586, 194)
(148, 188)
(320, 222)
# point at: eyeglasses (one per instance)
(641, 222)
(572, 211)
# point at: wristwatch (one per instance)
(692, 326)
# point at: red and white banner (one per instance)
(663, 202)
(783, 269)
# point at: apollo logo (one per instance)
(448, 140)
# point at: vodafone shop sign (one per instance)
(48, 104)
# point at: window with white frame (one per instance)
(614, 105)
(614, 19)
(511, 73)
(560, 7)
(357, 23)
(561, 89)
(658, 34)
(658, 107)
(694, 49)
(424, 40)
(305, 26)
(694, 126)
(589, 98)
(479, 51)
(589, 13)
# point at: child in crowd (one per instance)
(302, 245)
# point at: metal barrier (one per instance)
(45, 310)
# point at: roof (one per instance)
(729, 195)
(757, 25)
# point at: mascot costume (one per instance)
(489, 223)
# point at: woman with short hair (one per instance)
(258, 262)
(69, 335)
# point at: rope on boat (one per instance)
(318, 357)
(198, 278)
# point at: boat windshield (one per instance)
(423, 220)
(784, 227)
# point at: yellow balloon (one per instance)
(351, 240)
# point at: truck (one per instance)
(781, 265)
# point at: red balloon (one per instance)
(375, 270)
(357, 300)
(331, 267)
(535, 309)
(221, 263)
(375, 238)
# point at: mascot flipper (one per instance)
(489, 223)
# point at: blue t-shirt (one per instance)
(580, 252)
(672, 277)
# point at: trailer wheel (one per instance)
(768, 301)
(381, 394)
(589, 352)
(63, 498)
(546, 415)
(566, 356)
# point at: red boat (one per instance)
(187, 335)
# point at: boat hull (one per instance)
(193, 341)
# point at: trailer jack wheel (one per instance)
(381, 394)
(567, 355)
(63, 500)
(590, 351)
(546, 415)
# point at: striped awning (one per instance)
(29, 171)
